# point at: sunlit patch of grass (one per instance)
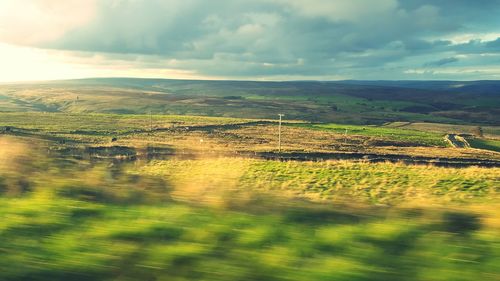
(420, 137)
(380, 183)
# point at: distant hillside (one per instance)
(362, 102)
(487, 87)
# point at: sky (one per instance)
(250, 39)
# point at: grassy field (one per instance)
(50, 237)
(104, 123)
(493, 145)
(489, 140)
(88, 192)
(492, 132)
(356, 182)
(100, 128)
(243, 219)
(340, 102)
(405, 135)
(228, 135)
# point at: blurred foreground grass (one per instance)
(241, 219)
(44, 238)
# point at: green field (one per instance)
(493, 145)
(244, 219)
(57, 238)
(408, 135)
(151, 179)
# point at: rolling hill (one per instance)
(356, 102)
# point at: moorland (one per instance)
(149, 179)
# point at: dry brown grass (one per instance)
(14, 153)
(263, 138)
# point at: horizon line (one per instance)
(237, 80)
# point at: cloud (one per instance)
(442, 62)
(264, 38)
(342, 10)
(494, 45)
(32, 22)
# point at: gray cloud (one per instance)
(494, 45)
(442, 62)
(266, 38)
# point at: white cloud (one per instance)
(33, 22)
(463, 38)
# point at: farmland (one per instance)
(89, 191)
(231, 135)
